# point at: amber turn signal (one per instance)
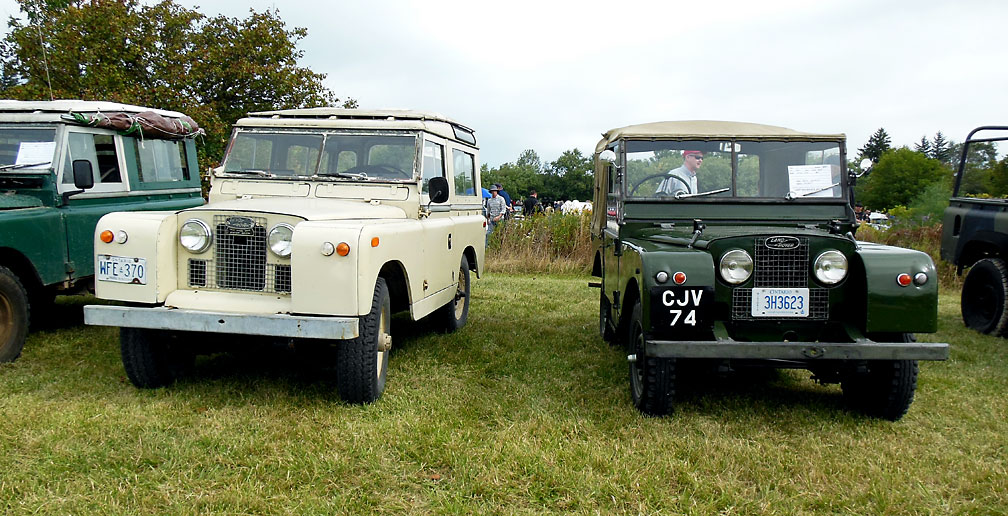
(374, 242)
(106, 236)
(343, 249)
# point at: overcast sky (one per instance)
(552, 76)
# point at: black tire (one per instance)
(362, 363)
(153, 358)
(605, 321)
(984, 295)
(453, 316)
(14, 316)
(886, 388)
(652, 379)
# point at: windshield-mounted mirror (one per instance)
(608, 156)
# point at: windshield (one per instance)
(984, 166)
(696, 170)
(323, 154)
(26, 149)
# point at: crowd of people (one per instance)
(499, 206)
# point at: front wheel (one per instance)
(652, 379)
(454, 314)
(984, 295)
(153, 358)
(362, 363)
(13, 316)
(884, 388)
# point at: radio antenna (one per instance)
(45, 57)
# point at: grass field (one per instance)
(526, 410)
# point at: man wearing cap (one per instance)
(683, 179)
(496, 209)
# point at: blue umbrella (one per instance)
(486, 193)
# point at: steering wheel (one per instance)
(633, 190)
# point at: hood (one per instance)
(14, 201)
(309, 209)
(681, 235)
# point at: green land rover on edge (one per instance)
(726, 245)
(64, 164)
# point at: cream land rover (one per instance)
(321, 223)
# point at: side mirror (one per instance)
(438, 188)
(83, 176)
(608, 156)
(865, 166)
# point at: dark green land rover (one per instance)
(725, 245)
(64, 164)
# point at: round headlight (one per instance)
(195, 235)
(736, 266)
(280, 239)
(831, 267)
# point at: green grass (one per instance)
(525, 410)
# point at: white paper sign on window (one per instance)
(35, 154)
(810, 180)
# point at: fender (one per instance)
(890, 307)
(152, 236)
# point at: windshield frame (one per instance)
(325, 134)
(841, 180)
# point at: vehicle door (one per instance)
(440, 263)
(103, 149)
(610, 233)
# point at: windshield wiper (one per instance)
(17, 166)
(681, 195)
(250, 171)
(792, 195)
(351, 175)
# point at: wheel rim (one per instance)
(460, 294)
(6, 320)
(636, 371)
(383, 337)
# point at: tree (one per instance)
(941, 149)
(877, 144)
(924, 147)
(571, 176)
(898, 177)
(162, 55)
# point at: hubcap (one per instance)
(384, 342)
(6, 320)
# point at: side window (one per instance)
(433, 162)
(159, 161)
(465, 172)
(100, 150)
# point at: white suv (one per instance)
(321, 223)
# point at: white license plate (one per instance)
(121, 269)
(780, 302)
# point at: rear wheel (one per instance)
(984, 295)
(885, 388)
(453, 315)
(652, 379)
(362, 363)
(14, 310)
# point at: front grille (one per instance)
(239, 259)
(781, 268)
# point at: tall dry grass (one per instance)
(552, 243)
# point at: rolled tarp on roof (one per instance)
(146, 124)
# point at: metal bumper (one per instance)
(866, 350)
(275, 325)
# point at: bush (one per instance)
(554, 243)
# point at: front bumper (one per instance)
(863, 350)
(274, 325)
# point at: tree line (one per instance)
(569, 177)
(215, 69)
